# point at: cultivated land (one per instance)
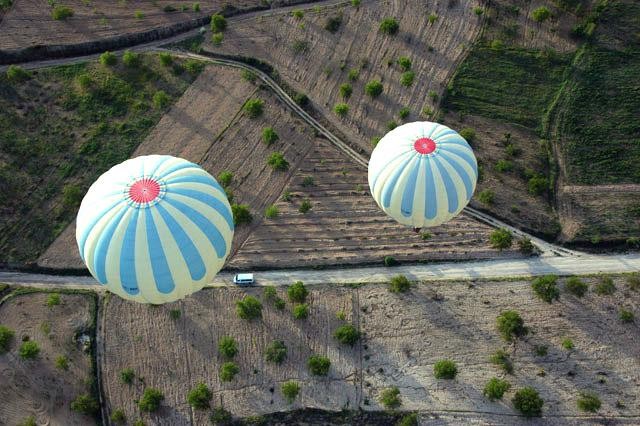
(38, 387)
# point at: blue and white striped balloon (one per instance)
(155, 229)
(422, 174)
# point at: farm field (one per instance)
(40, 387)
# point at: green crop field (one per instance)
(60, 128)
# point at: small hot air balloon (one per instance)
(422, 174)
(154, 229)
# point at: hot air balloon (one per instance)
(422, 174)
(154, 229)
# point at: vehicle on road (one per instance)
(243, 279)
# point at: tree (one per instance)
(347, 334)
(545, 288)
(297, 292)
(276, 352)
(341, 109)
(399, 284)
(373, 88)
(199, 397)
(254, 107)
(127, 375)
(346, 90)
(511, 325)
(271, 212)
(241, 214)
(390, 398)
(227, 347)
(290, 390)
(445, 369)
(218, 23)
(528, 402)
(29, 350)
(161, 99)
(225, 178)
(407, 78)
(405, 63)
(319, 365)
(60, 13)
(249, 308)
(269, 135)
(85, 404)
(130, 59)
(501, 239)
(389, 26)
(228, 371)
(277, 162)
(151, 400)
(541, 14)
(495, 388)
(6, 335)
(108, 59)
(301, 311)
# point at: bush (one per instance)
(6, 335)
(193, 66)
(390, 261)
(347, 334)
(389, 26)
(305, 206)
(390, 398)
(218, 23)
(298, 14)
(249, 308)
(217, 39)
(300, 46)
(404, 112)
(169, 8)
(576, 286)
(541, 350)
(199, 397)
(118, 416)
(605, 287)
(161, 99)
(220, 417)
(53, 299)
(432, 18)
(633, 281)
(486, 197)
(108, 59)
(501, 239)
(166, 59)
(290, 390)
(405, 63)
(241, 214)
(301, 311)
(127, 375)
(353, 75)
(269, 135)
(196, 7)
(276, 352)
(60, 13)
(228, 371)
(567, 344)
(445, 369)
(271, 212)
(538, 185)
(29, 350)
(511, 325)
(301, 99)
(495, 388)
(410, 419)
(399, 284)
(319, 365)
(626, 316)
(227, 347)
(333, 24)
(526, 246)
(307, 181)
(31, 420)
(478, 10)
(277, 161)
(528, 402)
(545, 288)
(468, 134)
(225, 178)
(392, 125)
(151, 400)
(588, 401)
(503, 360)
(373, 88)
(297, 292)
(85, 404)
(503, 166)
(355, 3)
(17, 74)
(407, 78)
(346, 90)
(341, 109)
(131, 59)
(254, 107)
(62, 363)
(541, 14)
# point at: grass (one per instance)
(276, 352)
(502, 360)
(228, 371)
(445, 369)
(495, 388)
(390, 398)
(89, 118)
(589, 402)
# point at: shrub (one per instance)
(605, 287)
(528, 402)
(503, 360)
(220, 417)
(218, 23)
(271, 212)
(588, 401)
(127, 375)
(407, 78)
(31, 420)
(567, 344)
(399, 284)
(276, 352)
(538, 185)
(269, 135)
(445, 369)
(319, 365)
(404, 112)
(131, 59)
(495, 388)
(626, 316)
(307, 181)
(248, 76)
(228, 371)
(279, 303)
(373, 88)
(526, 246)
(341, 109)
(151, 400)
(501, 239)
(333, 24)
(353, 74)
(227, 347)
(166, 59)
(301, 99)
(217, 39)
(355, 3)
(249, 308)
(53, 299)
(541, 14)
(85, 404)
(297, 292)
(512, 151)
(390, 261)
(486, 197)
(196, 7)
(389, 26)
(545, 288)
(169, 8)
(346, 90)
(478, 10)
(118, 416)
(277, 161)
(60, 13)
(305, 206)
(405, 63)
(503, 166)
(194, 66)
(290, 390)
(241, 214)
(576, 286)
(541, 350)
(300, 46)
(390, 398)
(392, 125)
(511, 325)
(62, 363)
(254, 107)
(199, 397)
(633, 281)
(17, 74)
(161, 99)
(410, 419)
(108, 59)
(225, 178)
(347, 334)
(29, 350)
(298, 14)
(497, 44)
(6, 335)
(301, 311)
(432, 18)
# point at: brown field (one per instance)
(36, 387)
(434, 50)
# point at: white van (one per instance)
(243, 279)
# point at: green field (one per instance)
(60, 128)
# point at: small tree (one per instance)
(290, 390)
(269, 136)
(511, 325)
(254, 107)
(161, 99)
(501, 239)
(108, 58)
(225, 178)
(341, 109)
(389, 26)
(227, 347)
(199, 397)
(249, 308)
(526, 246)
(151, 400)
(390, 398)
(29, 350)
(297, 292)
(218, 23)
(545, 288)
(319, 365)
(346, 90)
(85, 404)
(405, 63)
(277, 161)
(399, 284)
(495, 388)
(373, 88)
(118, 416)
(445, 369)
(541, 14)
(271, 212)
(528, 402)
(347, 334)
(60, 13)
(127, 375)
(301, 311)
(241, 214)
(131, 59)
(407, 78)
(276, 352)
(228, 371)
(589, 402)
(220, 417)
(6, 335)
(486, 197)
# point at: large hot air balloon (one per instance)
(154, 229)
(422, 174)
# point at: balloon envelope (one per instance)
(154, 229)
(422, 174)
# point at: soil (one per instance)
(36, 387)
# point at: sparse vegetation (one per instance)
(6, 335)
(501, 239)
(241, 214)
(297, 292)
(511, 325)
(151, 400)
(108, 59)
(29, 350)
(298, 14)
(347, 334)
(165, 59)
(495, 388)
(605, 287)
(389, 26)
(528, 402)
(60, 13)
(290, 390)
(277, 161)
(199, 397)
(399, 284)
(85, 404)
(227, 347)
(407, 78)
(432, 18)
(541, 14)
(576, 286)
(373, 88)
(319, 365)
(269, 136)
(545, 288)
(31, 420)
(390, 398)
(353, 74)
(254, 107)
(271, 212)
(486, 197)
(53, 299)
(300, 46)
(62, 363)
(589, 402)
(228, 371)
(445, 369)
(249, 308)
(341, 109)
(538, 185)
(626, 316)
(502, 360)
(218, 23)
(503, 166)
(276, 352)
(301, 311)
(127, 375)
(410, 419)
